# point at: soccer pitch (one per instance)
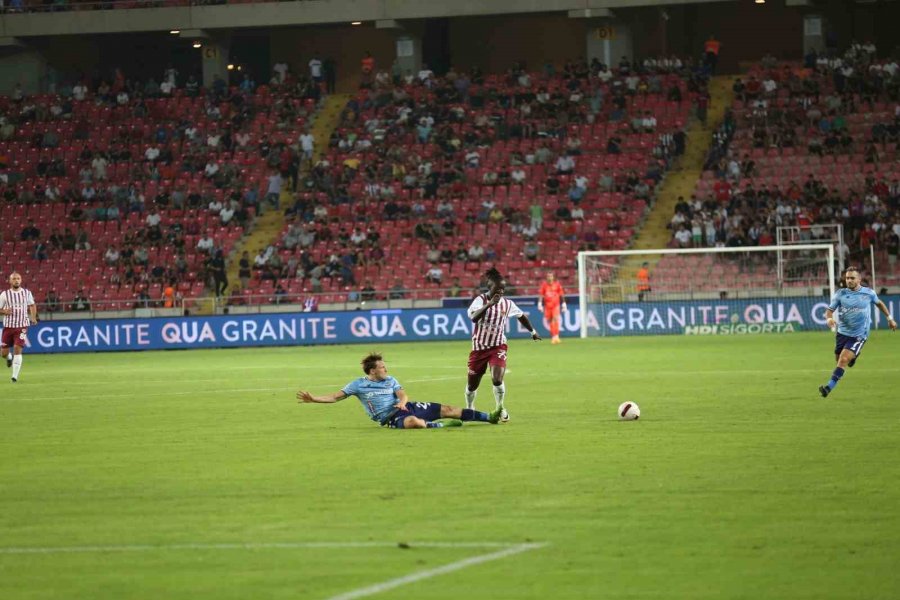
(186, 475)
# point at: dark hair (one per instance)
(842, 280)
(369, 360)
(493, 274)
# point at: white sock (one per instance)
(470, 397)
(17, 364)
(500, 394)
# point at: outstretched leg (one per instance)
(844, 359)
(468, 414)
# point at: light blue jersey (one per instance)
(854, 310)
(377, 397)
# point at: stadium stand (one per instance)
(803, 144)
(127, 193)
(444, 164)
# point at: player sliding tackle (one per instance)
(386, 402)
(854, 307)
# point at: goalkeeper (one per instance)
(552, 300)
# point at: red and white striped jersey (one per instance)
(18, 300)
(490, 331)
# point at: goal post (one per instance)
(753, 289)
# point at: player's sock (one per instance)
(470, 398)
(474, 415)
(16, 365)
(835, 378)
(8, 360)
(500, 394)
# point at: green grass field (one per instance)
(141, 475)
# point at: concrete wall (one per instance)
(491, 42)
(23, 66)
(747, 31)
(345, 44)
(287, 13)
(494, 43)
(140, 55)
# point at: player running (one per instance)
(551, 300)
(19, 311)
(386, 402)
(489, 313)
(853, 305)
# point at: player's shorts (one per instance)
(480, 359)
(428, 411)
(14, 336)
(552, 313)
(846, 342)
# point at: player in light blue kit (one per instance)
(386, 402)
(854, 308)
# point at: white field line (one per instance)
(248, 546)
(329, 386)
(428, 573)
(106, 368)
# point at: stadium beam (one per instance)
(591, 13)
(194, 34)
(280, 14)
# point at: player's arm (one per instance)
(4, 307)
(562, 299)
(32, 313)
(478, 314)
(884, 309)
(402, 399)
(523, 319)
(305, 397)
(541, 298)
(829, 318)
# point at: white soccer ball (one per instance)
(629, 411)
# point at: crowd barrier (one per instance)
(725, 317)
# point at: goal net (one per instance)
(705, 291)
